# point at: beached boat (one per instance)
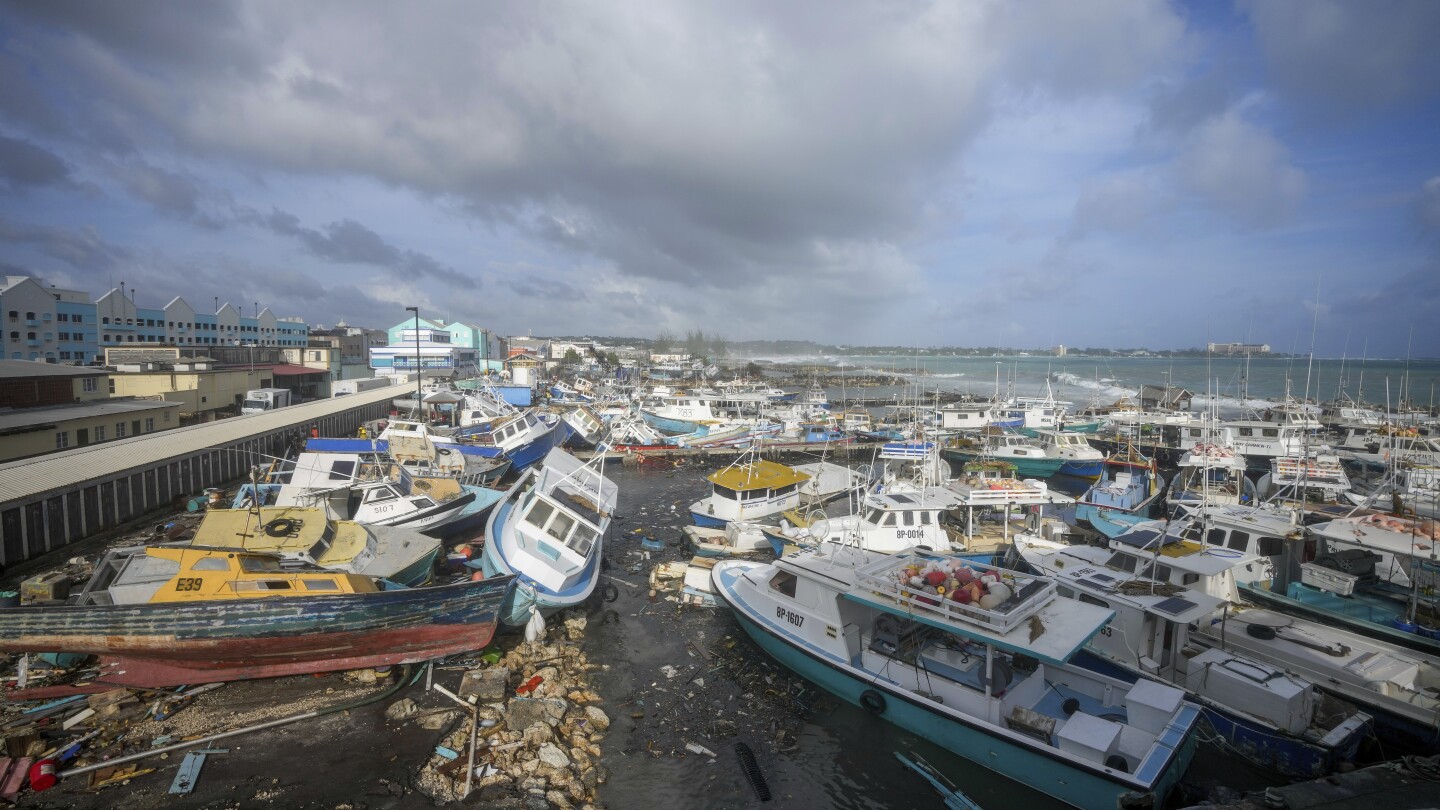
(167, 616)
(524, 437)
(548, 529)
(753, 489)
(1279, 721)
(736, 538)
(379, 493)
(423, 451)
(989, 680)
(305, 536)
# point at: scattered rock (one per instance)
(487, 685)
(401, 709)
(551, 755)
(599, 720)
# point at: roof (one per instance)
(760, 474)
(288, 370)
(17, 420)
(73, 467)
(20, 369)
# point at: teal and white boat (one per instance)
(1029, 458)
(988, 678)
(548, 531)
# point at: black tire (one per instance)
(443, 451)
(872, 701)
(279, 527)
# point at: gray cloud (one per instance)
(349, 242)
(24, 165)
(1343, 56)
(1241, 171)
(82, 249)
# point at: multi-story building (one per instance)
(64, 326)
(1238, 348)
(426, 348)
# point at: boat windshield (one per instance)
(323, 544)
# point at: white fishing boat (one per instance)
(990, 680)
(548, 531)
(886, 523)
(354, 487)
(1282, 722)
(1082, 459)
(1210, 473)
(753, 489)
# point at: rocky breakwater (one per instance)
(539, 729)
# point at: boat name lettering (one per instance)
(1107, 631)
(910, 534)
(188, 584)
(789, 616)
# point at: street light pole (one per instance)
(419, 396)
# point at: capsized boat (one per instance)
(548, 530)
(305, 536)
(1279, 720)
(172, 615)
(989, 680)
(738, 537)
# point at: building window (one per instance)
(99, 433)
(14, 314)
(29, 335)
(105, 319)
(29, 316)
(119, 430)
(62, 317)
(64, 355)
(112, 386)
(167, 416)
(107, 338)
(150, 425)
(62, 439)
(14, 335)
(88, 385)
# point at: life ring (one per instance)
(443, 451)
(872, 701)
(279, 527)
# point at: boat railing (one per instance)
(1029, 594)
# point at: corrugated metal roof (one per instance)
(73, 467)
(21, 369)
(25, 417)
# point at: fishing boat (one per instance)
(1399, 688)
(166, 616)
(1306, 480)
(306, 536)
(1277, 720)
(886, 523)
(423, 451)
(805, 433)
(1082, 460)
(587, 429)
(524, 437)
(990, 680)
(1030, 460)
(737, 538)
(1405, 489)
(1210, 473)
(753, 489)
(548, 530)
(1128, 489)
(367, 490)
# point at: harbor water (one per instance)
(814, 751)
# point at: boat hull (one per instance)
(1022, 763)
(1083, 469)
(167, 644)
(1025, 466)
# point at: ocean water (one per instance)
(1234, 383)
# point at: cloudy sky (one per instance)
(1113, 173)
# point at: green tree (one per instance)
(718, 347)
(664, 341)
(571, 358)
(695, 344)
(752, 370)
(612, 359)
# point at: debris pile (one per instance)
(533, 733)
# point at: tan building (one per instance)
(202, 390)
(29, 383)
(26, 432)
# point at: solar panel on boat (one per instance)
(1175, 605)
(901, 499)
(1146, 538)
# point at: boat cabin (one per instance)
(143, 575)
(752, 490)
(562, 519)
